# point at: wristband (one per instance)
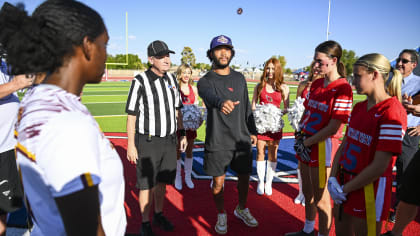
(182, 132)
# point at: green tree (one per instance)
(134, 62)
(288, 71)
(188, 56)
(202, 66)
(282, 61)
(349, 58)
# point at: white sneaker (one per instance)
(221, 225)
(245, 216)
(300, 198)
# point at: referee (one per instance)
(153, 108)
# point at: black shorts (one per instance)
(409, 191)
(156, 160)
(217, 162)
(11, 193)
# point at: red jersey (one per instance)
(270, 98)
(332, 102)
(381, 128)
(190, 98)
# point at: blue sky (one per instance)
(291, 28)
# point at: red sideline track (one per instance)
(193, 211)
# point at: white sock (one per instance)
(309, 226)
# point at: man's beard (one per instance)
(218, 65)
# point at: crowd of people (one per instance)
(61, 47)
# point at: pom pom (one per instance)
(192, 116)
(295, 113)
(268, 118)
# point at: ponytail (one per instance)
(341, 69)
(394, 82)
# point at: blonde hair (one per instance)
(392, 77)
(181, 70)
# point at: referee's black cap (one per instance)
(158, 48)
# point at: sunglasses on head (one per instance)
(404, 61)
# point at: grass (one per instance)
(106, 102)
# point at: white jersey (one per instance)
(9, 106)
(61, 150)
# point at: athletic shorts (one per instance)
(409, 191)
(191, 134)
(10, 183)
(355, 204)
(268, 136)
(156, 160)
(330, 145)
(217, 162)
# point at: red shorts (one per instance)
(331, 146)
(191, 134)
(268, 136)
(355, 204)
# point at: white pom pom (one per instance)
(268, 118)
(295, 113)
(192, 117)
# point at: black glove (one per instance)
(301, 150)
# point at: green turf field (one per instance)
(106, 102)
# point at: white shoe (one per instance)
(221, 225)
(245, 216)
(178, 178)
(188, 169)
(299, 199)
(260, 173)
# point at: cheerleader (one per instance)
(270, 90)
(361, 177)
(189, 96)
(327, 109)
(302, 92)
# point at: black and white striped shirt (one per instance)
(153, 100)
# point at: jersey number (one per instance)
(316, 120)
(349, 162)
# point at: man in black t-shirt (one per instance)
(230, 131)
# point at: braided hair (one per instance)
(41, 42)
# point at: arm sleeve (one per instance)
(392, 127)
(250, 121)
(72, 155)
(342, 103)
(133, 97)
(206, 92)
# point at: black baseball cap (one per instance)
(158, 48)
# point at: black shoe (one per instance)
(389, 233)
(391, 217)
(161, 221)
(146, 230)
(301, 233)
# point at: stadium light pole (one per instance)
(328, 22)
